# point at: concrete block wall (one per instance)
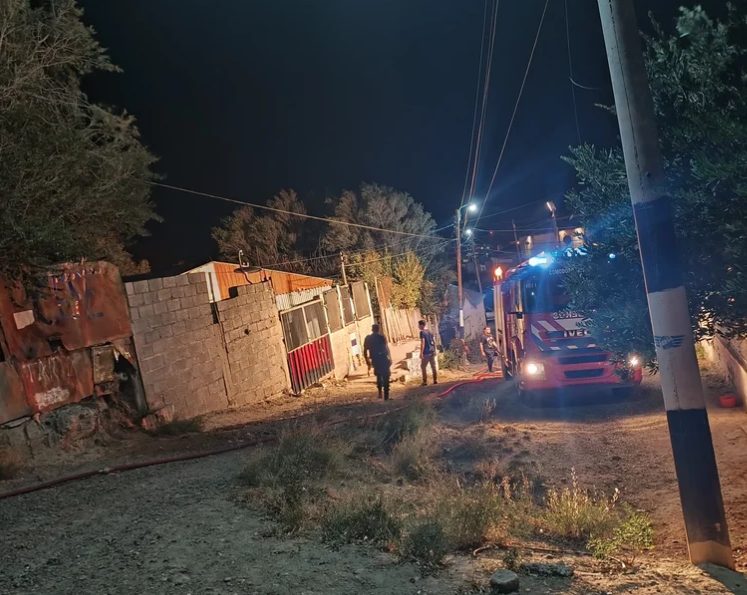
(253, 339)
(179, 344)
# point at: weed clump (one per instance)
(577, 514)
(629, 539)
(360, 521)
(471, 516)
(415, 419)
(426, 543)
(290, 473)
(412, 457)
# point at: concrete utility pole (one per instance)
(692, 446)
(460, 289)
(471, 207)
(342, 266)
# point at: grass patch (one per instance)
(412, 457)
(179, 427)
(578, 514)
(365, 520)
(425, 543)
(287, 476)
(628, 540)
(11, 464)
(413, 420)
(471, 516)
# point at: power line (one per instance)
(485, 95)
(570, 70)
(477, 103)
(291, 213)
(516, 108)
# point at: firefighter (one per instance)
(377, 354)
(488, 347)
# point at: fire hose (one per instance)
(256, 441)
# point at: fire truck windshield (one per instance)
(544, 293)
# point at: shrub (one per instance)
(301, 455)
(426, 543)
(366, 520)
(471, 516)
(578, 514)
(417, 417)
(289, 471)
(412, 457)
(11, 464)
(629, 539)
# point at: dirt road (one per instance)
(182, 528)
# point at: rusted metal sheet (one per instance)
(83, 305)
(227, 275)
(12, 394)
(56, 380)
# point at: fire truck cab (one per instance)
(544, 344)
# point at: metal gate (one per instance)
(307, 341)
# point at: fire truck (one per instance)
(543, 343)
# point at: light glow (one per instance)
(468, 232)
(535, 369)
(471, 208)
(634, 361)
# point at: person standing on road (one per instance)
(488, 347)
(427, 353)
(377, 354)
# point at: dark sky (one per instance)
(242, 98)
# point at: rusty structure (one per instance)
(68, 341)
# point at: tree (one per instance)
(73, 175)
(409, 277)
(266, 238)
(380, 207)
(699, 87)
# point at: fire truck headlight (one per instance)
(535, 369)
(634, 361)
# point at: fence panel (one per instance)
(307, 340)
(360, 299)
(334, 311)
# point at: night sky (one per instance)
(242, 98)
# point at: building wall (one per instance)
(253, 338)
(342, 350)
(178, 344)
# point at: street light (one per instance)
(470, 208)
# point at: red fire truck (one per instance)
(543, 343)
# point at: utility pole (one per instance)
(460, 289)
(342, 266)
(553, 209)
(690, 434)
(516, 242)
(471, 208)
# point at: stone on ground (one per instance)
(504, 581)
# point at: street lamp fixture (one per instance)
(468, 232)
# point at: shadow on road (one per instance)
(588, 404)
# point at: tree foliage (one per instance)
(73, 175)
(267, 238)
(699, 86)
(382, 207)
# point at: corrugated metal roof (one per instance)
(286, 301)
(228, 275)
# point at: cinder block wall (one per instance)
(178, 343)
(253, 337)
(202, 357)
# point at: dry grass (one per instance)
(360, 520)
(578, 514)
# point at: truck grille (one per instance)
(584, 373)
(583, 359)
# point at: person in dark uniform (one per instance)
(376, 352)
(488, 347)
